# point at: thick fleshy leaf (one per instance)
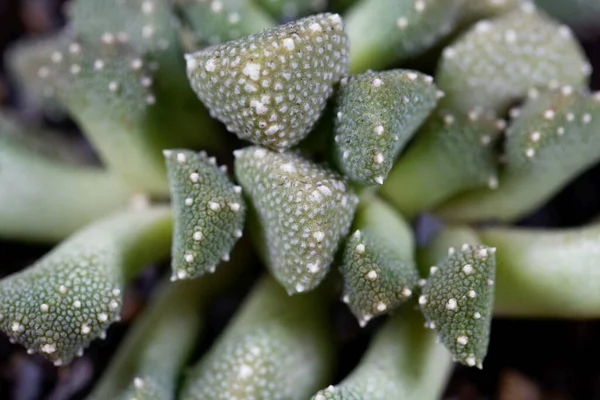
(472, 11)
(46, 193)
(70, 297)
(452, 153)
(458, 299)
(209, 213)
(276, 347)
(292, 9)
(386, 31)
(551, 140)
(378, 266)
(496, 62)
(215, 22)
(579, 14)
(304, 211)
(403, 361)
(378, 112)
(271, 88)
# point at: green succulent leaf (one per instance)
(214, 22)
(472, 11)
(147, 25)
(457, 301)
(292, 9)
(496, 62)
(403, 362)
(276, 347)
(580, 14)
(304, 211)
(57, 306)
(107, 87)
(209, 213)
(45, 194)
(452, 153)
(271, 88)
(378, 112)
(546, 273)
(386, 31)
(549, 142)
(377, 264)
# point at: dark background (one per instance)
(543, 359)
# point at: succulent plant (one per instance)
(332, 136)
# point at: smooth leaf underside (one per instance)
(377, 114)
(497, 61)
(304, 210)
(292, 9)
(271, 88)
(209, 213)
(457, 301)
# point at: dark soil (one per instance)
(528, 359)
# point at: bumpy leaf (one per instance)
(384, 31)
(458, 299)
(550, 141)
(304, 210)
(378, 266)
(292, 9)
(108, 89)
(209, 213)
(218, 21)
(277, 347)
(403, 362)
(44, 194)
(451, 154)
(147, 25)
(70, 297)
(271, 88)
(378, 112)
(496, 62)
(23, 60)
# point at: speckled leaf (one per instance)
(23, 60)
(292, 9)
(145, 24)
(217, 21)
(39, 175)
(70, 297)
(458, 299)
(107, 87)
(209, 213)
(304, 210)
(167, 330)
(386, 31)
(378, 112)
(551, 140)
(377, 264)
(277, 347)
(271, 88)
(403, 361)
(452, 153)
(496, 62)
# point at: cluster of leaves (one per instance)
(345, 147)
